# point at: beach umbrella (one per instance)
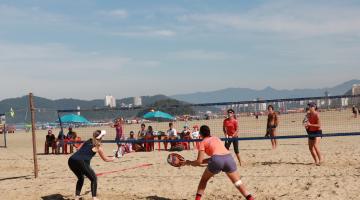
(72, 118)
(158, 115)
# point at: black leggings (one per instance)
(81, 168)
(235, 144)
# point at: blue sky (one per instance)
(87, 49)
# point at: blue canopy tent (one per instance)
(158, 115)
(72, 118)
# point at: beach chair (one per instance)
(187, 144)
(149, 146)
(60, 144)
(47, 146)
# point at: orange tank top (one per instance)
(213, 146)
(314, 119)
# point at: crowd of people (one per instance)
(144, 139)
(61, 143)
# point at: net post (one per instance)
(5, 132)
(32, 110)
(3, 120)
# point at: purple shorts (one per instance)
(224, 163)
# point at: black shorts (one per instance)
(314, 134)
(235, 144)
(270, 129)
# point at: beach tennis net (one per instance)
(335, 114)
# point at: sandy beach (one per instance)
(285, 173)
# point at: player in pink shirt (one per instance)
(220, 161)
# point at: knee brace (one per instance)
(238, 183)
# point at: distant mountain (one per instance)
(47, 108)
(245, 94)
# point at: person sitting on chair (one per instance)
(172, 134)
(50, 142)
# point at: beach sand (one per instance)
(285, 173)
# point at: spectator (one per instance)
(354, 111)
(131, 138)
(172, 133)
(70, 133)
(50, 142)
(60, 141)
(132, 135)
(69, 137)
(142, 132)
(195, 135)
(185, 134)
(127, 147)
(135, 145)
(149, 136)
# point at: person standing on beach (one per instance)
(119, 134)
(69, 137)
(60, 141)
(231, 130)
(79, 163)
(272, 123)
(220, 161)
(354, 111)
(313, 127)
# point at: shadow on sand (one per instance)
(280, 163)
(15, 177)
(156, 198)
(54, 197)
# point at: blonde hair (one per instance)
(96, 142)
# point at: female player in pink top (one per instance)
(220, 160)
(231, 130)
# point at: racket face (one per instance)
(175, 160)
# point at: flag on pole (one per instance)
(12, 113)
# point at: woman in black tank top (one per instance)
(79, 162)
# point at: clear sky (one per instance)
(89, 48)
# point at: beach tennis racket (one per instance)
(175, 160)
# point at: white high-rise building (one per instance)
(344, 102)
(137, 101)
(110, 101)
(356, 89)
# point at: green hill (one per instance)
(46, 109)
